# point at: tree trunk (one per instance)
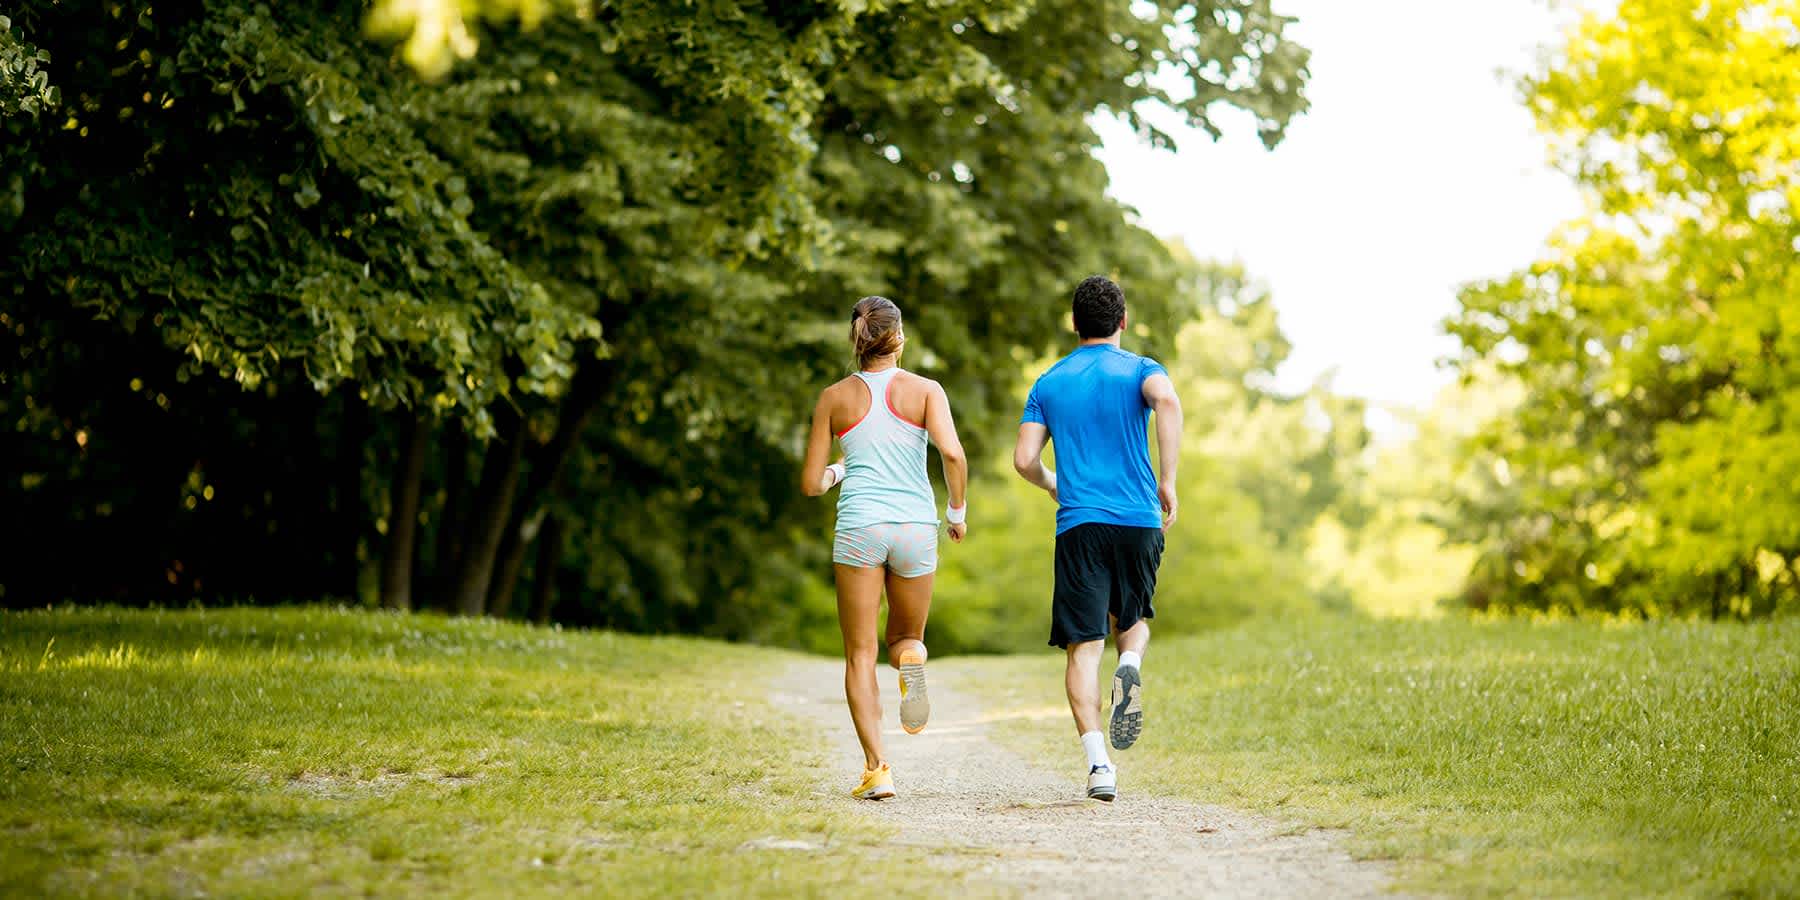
(510, 562)
(491, 512)
(585, 390)
(307, 509)
(351, 510)
(543, 572)
(403, 516)
(456, 489)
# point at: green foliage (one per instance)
(1259, 467)
(1387, 545)
(251, 752)
(436, 33)
(1202, 54)
(1652, 465)
(332, 247)
(669, 207)
(1484, 758)
(25, 89)
(25, 93)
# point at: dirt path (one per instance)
(983, 808)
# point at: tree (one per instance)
(1656, 454)
(601, 265)
(334, 249)
(25, 88)
(1393, 543)
(944, 165)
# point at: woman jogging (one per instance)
(887, 524)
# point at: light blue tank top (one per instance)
(884, 465)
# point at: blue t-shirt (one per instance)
(1092, 401)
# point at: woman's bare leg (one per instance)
(909, 604)
(859, 615)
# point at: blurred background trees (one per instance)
(286, 321)
(1652, 464)
(1623, 437)
(518, 308)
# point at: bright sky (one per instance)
(1416, 170)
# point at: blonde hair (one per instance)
(875, 330)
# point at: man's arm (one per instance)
(1159, 393)
(1028, 456)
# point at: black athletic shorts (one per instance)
(1103, 570)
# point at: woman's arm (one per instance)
(941, 425)
(814, 478)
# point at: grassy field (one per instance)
(298, 752)
(1564, 759)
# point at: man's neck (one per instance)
(1095, 342)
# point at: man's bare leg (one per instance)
(1082, 681)
(1134, 639)
(1128, 685)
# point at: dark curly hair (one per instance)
(1099, 307)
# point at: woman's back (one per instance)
(884, 440)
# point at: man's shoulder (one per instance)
(1116, 362)
(1055, 372)
(1128, 356)
(1063, 365)
(1136, 365)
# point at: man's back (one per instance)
(1094, 406)
(1092, 403)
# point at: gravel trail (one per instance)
(1014, 826)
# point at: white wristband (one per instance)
(836, 470)
(956, 515)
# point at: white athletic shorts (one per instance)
(909, 550)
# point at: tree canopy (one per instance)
(574, 295)
(1653, 464)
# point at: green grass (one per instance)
(298, 752)
(1484, 758)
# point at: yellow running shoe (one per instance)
(877, 784)
(915, 706)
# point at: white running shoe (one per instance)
(1103, 783)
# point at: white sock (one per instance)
(1095, 744)
(1132, 659)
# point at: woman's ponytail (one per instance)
(874, 330)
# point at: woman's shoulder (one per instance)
(913, 395)
(915, 381)
(840, 392)
(839, 386)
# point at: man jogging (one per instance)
(1095, 406)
